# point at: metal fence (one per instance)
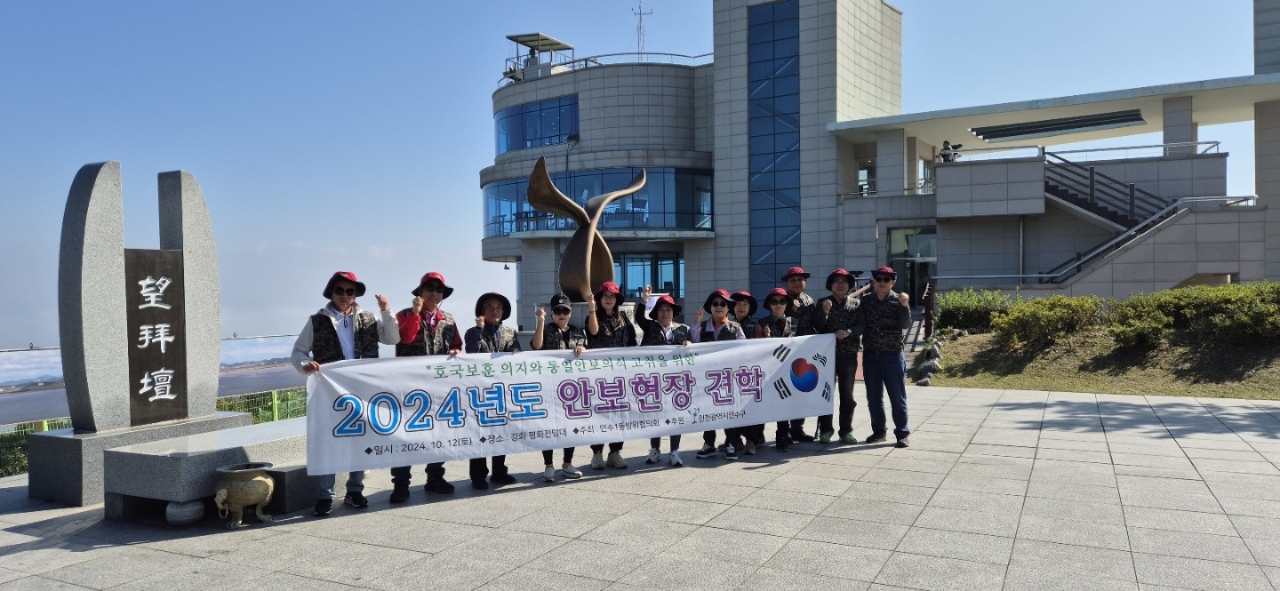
(276, 405)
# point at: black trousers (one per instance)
(846, 374)
(402, 475)
(786, 428)
(548, 454)
(599, 447)
(480, 471)
(732, 436)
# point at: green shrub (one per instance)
(1044, 321)
(971, 310)
(1201, 315)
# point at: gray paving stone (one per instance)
(1075, 532)
(999, 450)
(977, 501)
(1187, 473)
(1163, 485)
(852, 532)
(1190, 545)
(1170, 500)
(1199, 574)
(1097, 445)
(1070, 455)
(963, 520)
(794, 502)
(985, 470)
(643, 534)
(204, 575)
(279, 581)
(1266, 551)
(890, 476)
(597, 560)
(730, 546)
(47, 555)
(719, 493)
(7, 575)
(776, 579)
(739, 477)
(1196, 453)
(877, 511)
(1172, 519)
(1106, 513)
(1019, 578)
(1001, 486)
(763, 521)
(932, 572)
(959, 545)
(125, 565)
(524, 578)
(1056, 489)
(1253, 486)
(435, 573)
(678, 511)
(560, 521)
(1062, 560)
(834, 471)
(1249, 507)
(873, 491)
(809, 484)
(37, 583)
(680, 571)
(830, 560)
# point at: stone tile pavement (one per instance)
(1000, 490)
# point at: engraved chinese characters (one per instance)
(156, 329)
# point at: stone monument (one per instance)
(139, 333)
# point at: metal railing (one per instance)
(996, 153)
(1146, 151)
(533, 221)
(516, 67)
(1100, 189)
(1072, 267)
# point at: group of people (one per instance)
(872, 318)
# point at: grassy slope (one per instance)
(1090, 363)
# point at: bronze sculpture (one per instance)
(587, 261)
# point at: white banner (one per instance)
(381, 413)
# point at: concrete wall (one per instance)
(1057, 237)
(1170, 178)
(1266, 138)
(978, 246)
(1216, 241)
(1266, 36)
(991, 187)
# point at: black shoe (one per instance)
(399, 494)
(356, 500)
(440, 487)
(783, 443)
(903, 443)
(324, 507)
(503, 479)
(802, 437)
(479, 485)
(876, 437)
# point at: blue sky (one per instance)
(342, 135)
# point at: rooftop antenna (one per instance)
(640, 12)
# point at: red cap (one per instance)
(719, 293)
(885, 271)
(438, 278)
(745, 296)
(343, 276)
(676, 309)
(794, 271)
(840, 272)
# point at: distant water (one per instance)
(45, 365)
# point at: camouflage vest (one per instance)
(554, 339)
(780, 327)
(325, 347)
(617, 331)
(502, 340)
(728, 332)
(437, 344)
(654, 335)
(749, 326)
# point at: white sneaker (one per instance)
(674, 458)
(707, 451)
(597, 461)
(615, 460)
(549, 475)
(654, 456)
(730, 453)
(570, 472)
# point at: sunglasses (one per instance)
(351, 291)
(562, 312)
(884, 279)
(776, 303)
(434, 288)
(719, 304)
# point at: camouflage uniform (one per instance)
(842, 317)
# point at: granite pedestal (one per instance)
(183, 469)
(67, 467)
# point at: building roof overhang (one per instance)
(1213, 102)
(540, 42)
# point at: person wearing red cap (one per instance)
(490, 336)
(837, 314)
(608, 326)
(744, 311)
(425, 329)
(883, 318)
(779, 325)
(801, 313)
(341, 330)
(660, 328)
(718, 328)
(560, 336)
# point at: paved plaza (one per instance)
(999, 490)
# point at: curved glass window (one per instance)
(662, 270)
(673, 199)
(541, 123)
